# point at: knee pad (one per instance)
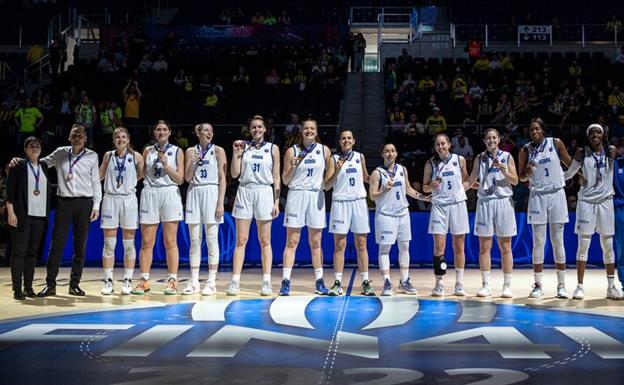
(212, 240)
(608, 257)
(583, 246)
(539, 239)
(129, 249)
(109, 247)
(384, 257)
(556, 239)
(404, 257)
(439, 265)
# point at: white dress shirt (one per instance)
(85, 180)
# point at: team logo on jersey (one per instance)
(357, 161)
(455, 164)
(170, 153)
(401, 173)
(266, 150)
(211, 152)
(550, 149)
(129, 160)
(318, 152)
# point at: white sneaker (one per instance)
(126, 288)
(579, 293)
(459, 290)
(209, 289)
(485, 291)
(614, 293)
(507, 293)
(561, 292)
(438, 290)
(234, 288)
(191, 288)
(108, 287)
(266, 288)
(536, 291)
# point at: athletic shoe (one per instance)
(387, 288)
(172, 287)
(234, 288)
(459, 290)
(266, 288)
(406, 287)
(126, 287)
(320, 287)
(561, 292)
(142, 288)
(336, 289)
(507, 293)
(285, 289)
(108, 287)
(536, 291)
(485, 291)
(614, 293)
(579, 293)
(438, 290)
(209, 289)
(192, 288)
(367, 289)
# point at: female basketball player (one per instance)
(389, 187)
(594, 210)
(205, 173)
(494, 171)
(121, 169)
(347, 173)
(161, 203)
(539, 163)
(304, 173)
(257, 165)
(445, 176)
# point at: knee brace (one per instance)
(583, 246)
(195, 246)
(384, 257)
(539, 239)
(212, 239)
(129, 249)
(606, 242)
(556, 239)
(109, 247)
(439, 265)
(404, 257)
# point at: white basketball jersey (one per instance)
(349, 183)
(598, 174)
(257, 164)
(121, 175)
(547, 173)
(394, 201)
(310, 172)
(449, 174)
(155, 175)
(206, 169)
(492, 183)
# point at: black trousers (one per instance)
(75, 212)
(24, 248)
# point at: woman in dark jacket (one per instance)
(28, 206)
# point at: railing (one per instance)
(577, 34)
(38, 67)
(370, 15)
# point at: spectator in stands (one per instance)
(426, 84)
(619, 58)
(464, 149)
(616, 101)
(132, 98)
(613, 24)
(181, 140)
(225, 17)
(414, 124)
(397, 120)
(160, 64)
(257, 18)
(473, 47)
(270, 19)
(475, 91)
(145, 65)
(58, 55)
(107, 63)
(359, 48)
(404, 61)
(85, 115)
(27, 120)
(436, 123)
(107, 118)
(524, 137)
(211, 105)
(292, 130)
(481, 68)
(35, 52)
(574, 70)
(284, 19)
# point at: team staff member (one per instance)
(28, 205)
(121, 169)
(205, 173)
(160, 203)
(79, 194)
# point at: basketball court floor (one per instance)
(309, 339)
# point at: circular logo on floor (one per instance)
(316, 340)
